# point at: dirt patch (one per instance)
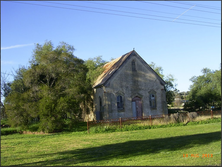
(35, 133)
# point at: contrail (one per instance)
(184, 12)
(16, 46)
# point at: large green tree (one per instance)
(170, 86)
(205, 90)
(5, 89)
(95, 66)
(15, 100)
(52, 88)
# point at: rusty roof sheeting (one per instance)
(111, 67)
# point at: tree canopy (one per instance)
(50, 90)
(170, 86)
(205, 90)
(95, 67)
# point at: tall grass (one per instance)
(157, 123)
(168, 121)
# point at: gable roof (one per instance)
(111, 67)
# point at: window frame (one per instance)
(100, 103)
(119, 102)
(152, 100)
(133, 63)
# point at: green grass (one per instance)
(80, 126)
(104, 128)
(149, 147)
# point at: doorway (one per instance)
(137, 107)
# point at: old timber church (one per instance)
(128, 88)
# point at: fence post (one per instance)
(211, 114)
(120, 122)
(150, 120)
(88, 126)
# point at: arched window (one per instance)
(119, 102)
(153, 99)
(133, 65)
(100, 103)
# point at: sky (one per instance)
(182, 37)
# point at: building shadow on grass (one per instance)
(127, 149)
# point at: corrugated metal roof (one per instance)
(111, 67)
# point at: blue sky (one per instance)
(111, 29)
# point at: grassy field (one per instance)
(152, 147)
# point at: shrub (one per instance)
(101, 129)
(7, 131)
(192, 115)
(4, 122)
(174, 118)
(166, 119)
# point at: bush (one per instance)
(4, 122)
(166, 119)
(101, 129)
(176, 118)
(180, 117)
(74, 125)
(192, 115)
(7, 131)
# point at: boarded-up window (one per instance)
(100, 103)
(152, 99)
(119, 102)
(133, 66)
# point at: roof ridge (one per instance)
(110, 68)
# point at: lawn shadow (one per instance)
(127, 149)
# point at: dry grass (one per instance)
(201, 118)
(168, 120)
(36, 133)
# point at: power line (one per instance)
(180, 7)
(197, 5)
(152, 10)
(114, 14)
(133, 13)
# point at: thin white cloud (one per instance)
(16, 46)
(8, 62)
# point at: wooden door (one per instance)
(137, 107)
(134, 109)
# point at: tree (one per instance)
(95, 66)
(178, 99)
(205, 90)
(5, 85)
(5, 89)
(15, 100)
(53, 87)
(170, 86)
(157, 69)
